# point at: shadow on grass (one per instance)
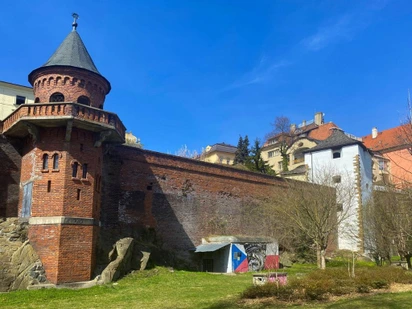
(382, 301)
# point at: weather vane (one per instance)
(74, 24)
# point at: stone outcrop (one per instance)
(125, 256)
(20, 266)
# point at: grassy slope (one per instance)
(160, 288)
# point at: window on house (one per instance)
(75, 166)
(20, 100)
(55, 161)
(45, 161)
(57, 97)
(336, 153)
(227, 161)
(83, 100)
(280, 165)
(382, 165)
(271, 154)
(336, 179)
(84, 171)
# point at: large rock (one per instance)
(125, 256)
(20, 265)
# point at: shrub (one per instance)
(363, 288)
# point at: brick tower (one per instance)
(63, 134)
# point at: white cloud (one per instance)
(261, 73)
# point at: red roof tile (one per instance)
(322, 132)
(388, 139)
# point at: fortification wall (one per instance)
(10, 161)
(182, 199)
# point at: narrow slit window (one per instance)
(75, 167)
(49, 186)
(45, 161)
(84, 170)
(55, 161)
(78, 194)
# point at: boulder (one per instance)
(125, 256)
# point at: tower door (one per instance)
(27, 196)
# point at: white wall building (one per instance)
(13, 95)
(345, 163)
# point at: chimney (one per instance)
(303, 123)
(292, 127)
(319, 118)
(374, 132)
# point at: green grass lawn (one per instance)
(160, 288)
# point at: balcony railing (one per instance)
(62, 109)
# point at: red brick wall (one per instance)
(10, 162)
(67, 251)
(183, 199)
(72, 83)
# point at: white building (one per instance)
(13, 95)
(344, 162)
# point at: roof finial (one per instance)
(74, 24)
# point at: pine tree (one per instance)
(255, 162)
(238, 153)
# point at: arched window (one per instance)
(57, 97)
(55, 161)
(75, 166)
(37, 100)
(83, 100)
(84, 171)
(101, 106)
(45, 161)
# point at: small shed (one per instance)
(227, 254)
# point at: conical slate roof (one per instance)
(72, 52)
(337, 139)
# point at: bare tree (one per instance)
(185, 152)
(312, 210)
(284, 137)
(391, 222)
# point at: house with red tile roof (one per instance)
(392, 155)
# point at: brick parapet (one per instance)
(71, 82)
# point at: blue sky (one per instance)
(201, 72)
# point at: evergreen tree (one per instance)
(255, 162)
(245, 149)
(238, 153)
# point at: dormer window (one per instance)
(83, 100)
(57, 97)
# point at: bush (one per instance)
(319, 285)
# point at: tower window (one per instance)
(45, 161)
(74, 171)
(20, 100)
(84, 171)
(78, 194)
(55, 161)
(57, 97)
(83, 100)
(37, 100)
(49, 186)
